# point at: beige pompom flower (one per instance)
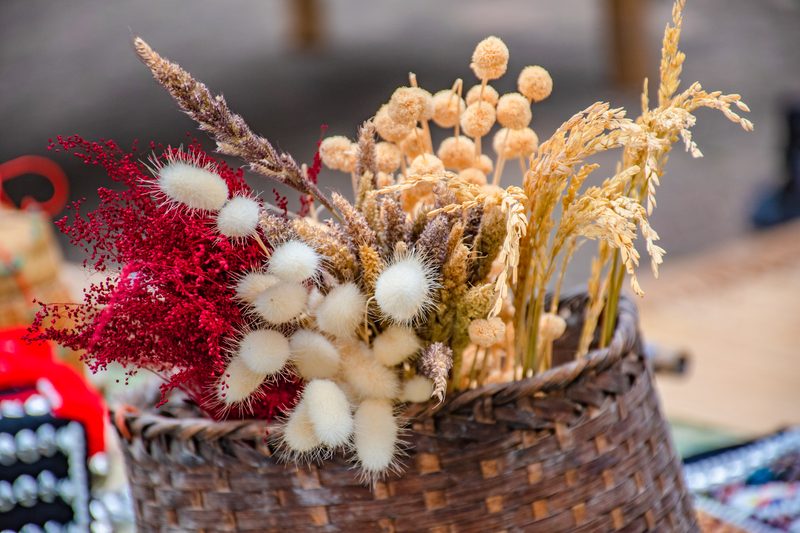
(407, 105)
(502, 146)
(412, 146)
(535, 83)
(487, 332)
(525, 141)
(473, 176)
(426, 164)
(485, 164)
(388, 129)
(490, 95)
(457, 153)
(335, 152)
(552, 326)
(387, 157)
(478, 119)
(490, 59)
(513, 111)
(447, 107)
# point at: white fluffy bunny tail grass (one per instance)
(252, 284)
(404, 290)
(264, 351)
(238, 219)
(368, 377)
(396, 344)
(341, 311)
(184, 182)
(328, 411)
(417, 390)
(298, 442)
(239, 384)
(313, 355)
(294, 261)
(376, 439)
(281, 302)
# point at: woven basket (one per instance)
(580, 448)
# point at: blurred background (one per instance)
(729, 296)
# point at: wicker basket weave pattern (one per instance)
(580, 448)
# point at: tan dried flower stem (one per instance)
(501, 159)
(457, 88)
(261, 244)
(412, 78)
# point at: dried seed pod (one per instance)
(478, 119)
(436, 364)
(490, 95)
(514, 111)
(387, 158)
(535, 83)
(448, 106)
(490, 59)
(552, 326)
(457, 153)
(390, 130)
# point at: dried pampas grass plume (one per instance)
(426, 164)
(281, 303)
(368, 377)
(478, 119)
(487, 332)
(264, 351)
(457, 153)
(390, 130)
(490, 59)
(294, 261)
(535, 83)
(404, 291)
(387, 157)
(238, 218)
(252, 284)
(342, 311)
(375, 437)
(313, 355)
(396, 344)
(418, 389)
(447, 106)
(514, 111)
(328, 412)
(238, 384)
(192, 186)
(490, 95)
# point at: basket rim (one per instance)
(149, 425)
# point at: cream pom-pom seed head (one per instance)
(535, 83)
(552, 326)
(407, 105)
(417, 390)
(239, 217)
(514, 111)
(447, 106)
(490, 59)
(239, 383)
(490, 95)
(524, 142)
(264, 351)
(457, 153)
(252, 284)
(337, 152)
(426, 164)
(404, 289)
(282, 302)
(294, 261)
(501, 144)
(487, 332)
(313, 355)
(411, 146)
(367, 377)
(328, 411)
(395, 344)
(478, 119)
(193, 186)
(387, 157)
(390, 130)
(375, 437)
(473, 176)
(342, 310)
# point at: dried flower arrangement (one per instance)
(432, 281)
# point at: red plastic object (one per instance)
(34, 164)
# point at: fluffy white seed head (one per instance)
(313, 355)
(417, 390)
(395, 344)
(368, 377)
(375, 437)
(298, 433)
(238, 218)
(282, 302)
(238, 383)
(252, 284)
(195, 187)
(328, 411)
(403, 290)
(342, 311)
(293, 261)
(264, 351)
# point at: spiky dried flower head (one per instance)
(281, 302)
(390, 130)
(264, 351)
(238, 383)
(408, 105)
(298, 433)
(367, 376)
(447, 106)
(252, 284)
(490, 59)
(387, 157)
(294, 261)
(487, 332)
(552, 326)
(375, 437)
(457, 153)
(501, 145)
(514, 111)
(437, 360)
(313, 355)
(473, 176)
(191, 185)
(404, 291)
(524, 142)
(417, 390)
(328, 411)
(484, 163)
(338, 153)
(426, 164)
(239, 217)
(490, 95)
(478, 119)
(412, 146)
(535, 83)
(395, 344)
(342, 310)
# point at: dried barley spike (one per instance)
(433, 241)
(436, 364)
(231, 132)
(393, 224)
(276, 229)
(365, 158)
(489, 241)
(356, 227)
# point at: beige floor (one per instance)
(737, 310)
